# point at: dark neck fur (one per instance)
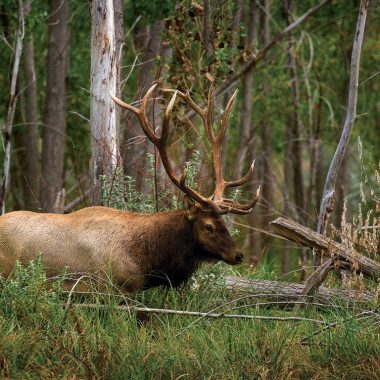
(172, 254)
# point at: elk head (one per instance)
(205, 214)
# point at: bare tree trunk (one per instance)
(299, 192)
(135, 147)
(207, 28)
(288, 180)
(342, 189)
(7, 131)
(267, 176)
(104, 72)
(297, 131)
(328, 198)
(247, 140)
(53, 149)
(119, 36)
(314, 191)
(32, 164)
(238, 18)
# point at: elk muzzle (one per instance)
(234, 258)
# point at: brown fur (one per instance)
(138, 250)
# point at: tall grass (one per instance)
(39, 340)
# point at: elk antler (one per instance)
(216, 141)
(216, 202)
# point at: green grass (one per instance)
(39, 341)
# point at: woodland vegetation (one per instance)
(66, 145)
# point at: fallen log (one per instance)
(293, 292)
(305, 236)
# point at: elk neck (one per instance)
(171, 251)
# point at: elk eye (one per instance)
(209, 228)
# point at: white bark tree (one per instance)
(7, 128)
(103, 116)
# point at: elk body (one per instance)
(137, 251)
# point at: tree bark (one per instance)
(104, 69)
(293, 292)
(246, 142)
(119, 37)
(266, 167)
(207, 28)
(7, 131)
(32, 164)
(52, 171)
(288, 180)
(297, 148)
(247, 139)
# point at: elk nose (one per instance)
(239, 257)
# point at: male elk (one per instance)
(138, 250)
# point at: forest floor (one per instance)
(41, 339)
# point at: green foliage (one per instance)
(26, 297)
(120, 191)
(39, 340)
(148, 11)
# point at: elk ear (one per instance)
(192, 208)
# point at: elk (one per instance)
(139, 251)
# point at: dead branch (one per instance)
(288, 291)
(307, 237)
(328, 201)
(148, 310)
(318, 277)
(76, 202)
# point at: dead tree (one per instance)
(328, 197)
(104, 62)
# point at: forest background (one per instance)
(288, 114)
(290, 61)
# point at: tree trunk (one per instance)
(135, 145)
(328, 198)
(104, 71)
(52, 171)
(267, 176)
(32, 164)
(247, 140)
(7, 130)
(119, 37)
(297, 131)
(207, 28)
(246, 133)
(288, 180)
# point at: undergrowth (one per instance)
(40, 340)
(47, 332)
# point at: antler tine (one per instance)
(166, 121)
(239, 208)
(140, 113)
(226, 115)
(187, 99)
(208, 119)
(242, 180)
